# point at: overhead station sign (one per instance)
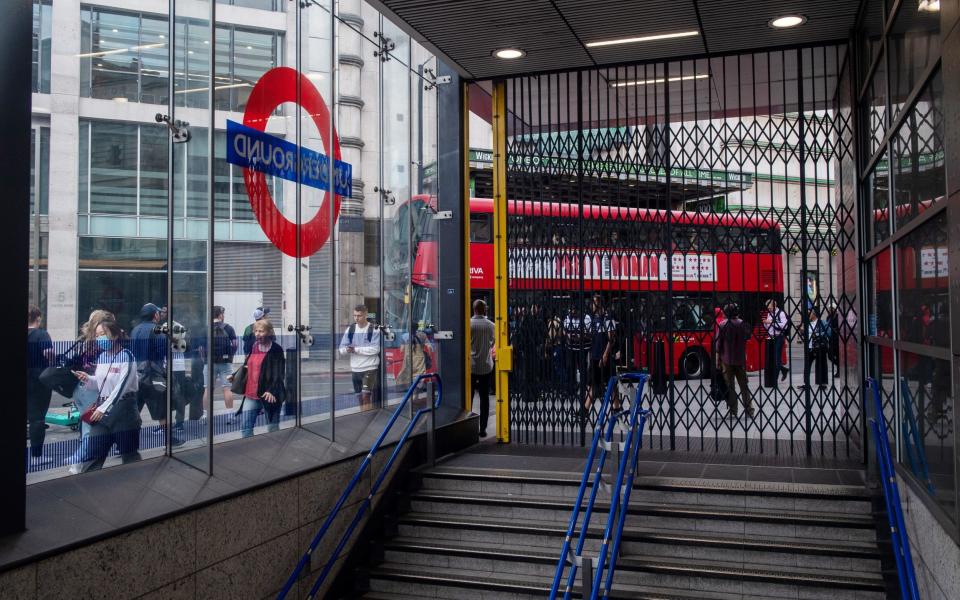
(260, 154)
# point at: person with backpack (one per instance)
(223, 347)
(361, 342)
(149, 348)
(732, 348)
(778, 327)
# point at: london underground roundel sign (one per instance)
(261, 154)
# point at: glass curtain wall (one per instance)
(239, 181)
(905, 247)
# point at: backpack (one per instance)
(353, 329)
(221, 344)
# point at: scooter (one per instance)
(68, 418)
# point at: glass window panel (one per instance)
(196, 173)
(919, 176)
(221, 177)
(223, 77)
(113, 168)
(879, 297)
(83, 189)
(926, 425)
(261, 4)
(914, 43)
(922, 283)
(871, 32)
(153, 170)
(878, 188)
(154, 56)
(42, 26)
(44, 180)
(875, 110)
(193, 65)
(253, 55)
(33, 169)
(112, 58)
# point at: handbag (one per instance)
(60, 377)
(239, 379)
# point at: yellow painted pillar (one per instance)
(504, 351)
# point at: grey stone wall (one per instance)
(936, 557)
(242, 547)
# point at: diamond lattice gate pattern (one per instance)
(646, 199)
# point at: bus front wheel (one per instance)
(694, 364)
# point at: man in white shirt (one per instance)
(776, 325)
(361, 342)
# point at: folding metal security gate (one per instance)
(645, 198)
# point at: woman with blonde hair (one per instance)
(261, 380)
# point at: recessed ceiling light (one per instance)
(162, 36)
(646, 38)
(929, 6)
(787, 21)
(115, 31)
(658, 80)
(121, 100)
(509, 53)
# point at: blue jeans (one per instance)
(251, 410)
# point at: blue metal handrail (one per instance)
(603, 429)
(305, 559)
(618, 508)
(888, 479)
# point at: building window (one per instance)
(124, 56)
(371, 242)
(39, 169)
(275, 5)
(42, 26)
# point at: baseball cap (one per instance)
(260, 313)
(149, 309)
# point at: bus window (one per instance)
(481, 228)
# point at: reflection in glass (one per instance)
(926, 425)
(923, 275)
(113, 167)
(914, 42)
(919, 178)
(878, 188)
(42, 26)
(875, 109)
(879, 297)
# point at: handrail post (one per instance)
(432, 430)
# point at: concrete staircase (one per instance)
(484, 533)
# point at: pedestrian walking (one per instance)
(261, 380)
(361, 342)
(113, 417)
(777, 325)
(482, 334)
(732, 348)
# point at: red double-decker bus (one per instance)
(624, 250)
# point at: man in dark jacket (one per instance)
(149, 350)
(39, 350)
(732, 348)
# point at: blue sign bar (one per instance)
(260, 151)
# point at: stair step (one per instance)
(554, 531)
(663, 490)
(453, 584)
(659, 510)
(819, 577)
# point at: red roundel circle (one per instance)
(277, 86)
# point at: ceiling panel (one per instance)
(554, 32)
